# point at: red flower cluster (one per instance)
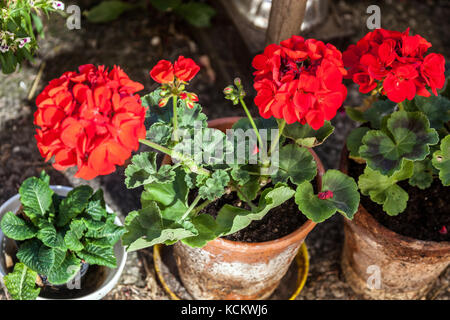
(90, 119)
(396, 60)
(184, 69)
(300, 80)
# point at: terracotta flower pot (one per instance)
(407, 267)
(234, 270)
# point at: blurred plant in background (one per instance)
(195, 12)
(20, 23)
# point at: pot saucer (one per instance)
(289, 288)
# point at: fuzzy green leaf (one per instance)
(345, 199)
(296, 164)
(16, 228)
(36, 197)
(207, 230)
(378, 111)
(36, 256)
(215, 185)
(196, 13)
(143, 170)
(441, 161)
(103, 256)
(408, 136)
(232, 219)
(146, 227)
(65, 271)
(436, 109)
(306, 136)
(384, 190)
(49, 236)
(73, 204)
(160, 133)
(21, 283)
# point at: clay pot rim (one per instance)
(276, 244)
(389, 235)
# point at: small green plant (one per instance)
(19, 24)
(56, 234)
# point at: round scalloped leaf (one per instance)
(423, 174)
(406, 136)
(436, 108)
(384, 190)
(296, 164)
(345, 198)
(306, 136)
(441, 161)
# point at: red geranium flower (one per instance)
(299, 80)
(165, 72)
(395, 60)
(162, 72)
(91, 119)
(185, 68)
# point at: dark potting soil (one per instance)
(426, 214)
(276, 224)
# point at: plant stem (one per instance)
(275, 143)
(188, 161)
(175, 118)
(247, 200)
(252, 122)
(191, 207)
(401, 106)
(203, 205)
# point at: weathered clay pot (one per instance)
(407, 267)
(234, 270)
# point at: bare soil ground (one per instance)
(136, 42)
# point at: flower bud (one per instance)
(238, 82)
(162, 102)
(183, 96)
(193, 97)
(228, 90)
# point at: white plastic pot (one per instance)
(112, 275)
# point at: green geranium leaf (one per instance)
(73, 204)
(422, 175)
(306, 136)
(155, 113)
(65, 271)
(36, 256)
(146, 227)
(170, 197)
(384, 190)
(103, 256)
(36, 197)
(436, 109)
(232, 219)
(344, 198)
(160, 133)
(407, 136)
(50, 236)
(215, 185)
(441, 161)
(188, 117)
(143, 170)
(296, 164)
(21, 283)
(354, 141)
(207, 230)
(355, 114)
(378, 111)
(16, 228)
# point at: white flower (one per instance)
(23, 42)
(31, 2)
(58, 5)
(4, 48)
